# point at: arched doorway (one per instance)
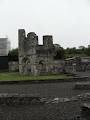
(26, 65)
(42, 66)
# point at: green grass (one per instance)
(8, 76)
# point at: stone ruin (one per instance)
(85, 111)
(34, 58)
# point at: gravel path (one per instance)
(43, 90)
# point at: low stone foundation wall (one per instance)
(27, 99)
(12, 100)
(82, 86)
(18, 99)
(13, 66)
(85, 111)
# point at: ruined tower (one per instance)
(34, 58)
(48, 41)
(27, 52)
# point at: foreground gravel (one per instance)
(60, 111)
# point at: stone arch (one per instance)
(41, 62)
(26, 65)
(25, 59)
(42, 66)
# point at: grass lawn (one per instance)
(16, 76)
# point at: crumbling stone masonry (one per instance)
(34, 58)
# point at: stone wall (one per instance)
(85, 111)
(82, 86)
(77, 64)
(18, 99)
(13, 66)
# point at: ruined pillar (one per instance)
(48, 40)
(21, 41)
(21, 49)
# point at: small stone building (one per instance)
(77, 64)
(37, 59)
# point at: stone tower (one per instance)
(27, 52)
(48, 41)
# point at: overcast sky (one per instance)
(67, 20)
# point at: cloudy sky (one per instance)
(67, 20)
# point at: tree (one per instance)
(59, 53)
(88, 51)
(13, 55)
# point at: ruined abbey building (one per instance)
(34, 58)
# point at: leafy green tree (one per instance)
(59, 53)
(13, 55)
(88, 51)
